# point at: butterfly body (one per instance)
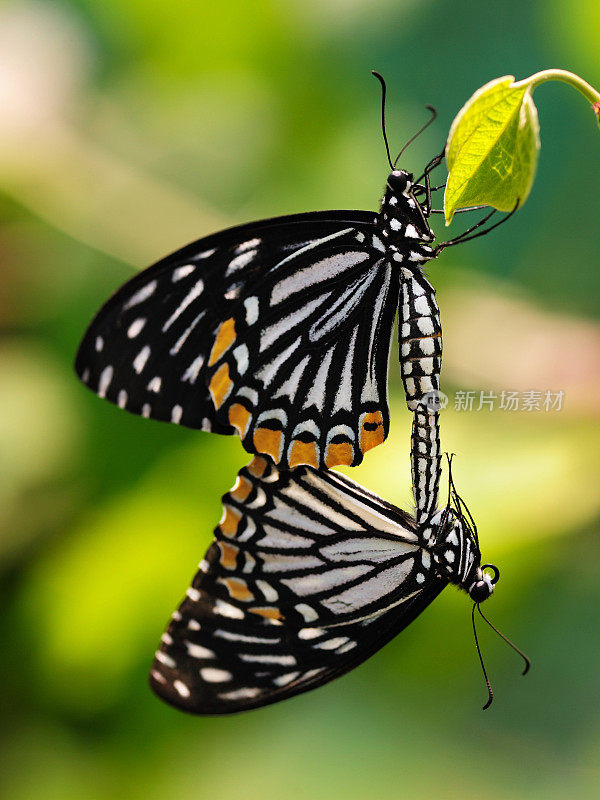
(308, 575)
(420, 334)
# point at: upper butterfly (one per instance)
(279, 329)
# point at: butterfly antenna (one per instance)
(433, 112)
(383, 93)
(485, 675)
(508, 641)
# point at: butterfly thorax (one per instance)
(402, 223)
(456, 554)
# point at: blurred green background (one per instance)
(129, 128)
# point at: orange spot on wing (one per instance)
(228, 554)
(238, 589)
(339, 454)
(303, 453)
(269, 612)
(268, 441)
(239, 417)
(258, 466)
(231, 520)
(223, 340)
(371, 430)
(241, 490)
(220, 385)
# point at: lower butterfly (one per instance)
(308, 575)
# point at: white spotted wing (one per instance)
(288, 292)
(308, 575)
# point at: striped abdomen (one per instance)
(425, 463)
(420, 338)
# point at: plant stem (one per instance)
(585, 88)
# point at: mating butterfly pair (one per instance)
(280, 330)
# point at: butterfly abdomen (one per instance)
(426, 463)
(420, 338)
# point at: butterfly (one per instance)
(280, 330)
(308, 575)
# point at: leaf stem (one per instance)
(564, 75)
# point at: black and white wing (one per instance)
(308, 575)
(300, 368)
(147, 348)
(288, 321)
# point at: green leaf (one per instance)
(493, 144)
(492, 148)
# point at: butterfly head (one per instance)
(484, 583)
(402, 221)
(400, 182)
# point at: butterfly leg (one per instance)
(418, 188)
(466, 235)
(435, 162)
(458, 210)
(432, 165)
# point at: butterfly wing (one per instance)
(300, 369)
(288, 321)
(308, 575)
(146, 349)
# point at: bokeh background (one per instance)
(129, 128)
